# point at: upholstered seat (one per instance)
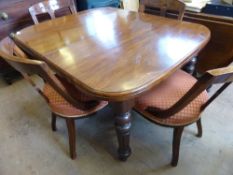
(63, 108)
(167, 94)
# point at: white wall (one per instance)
(131, 4)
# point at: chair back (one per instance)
(164, 6)
(50, 7)
(29, 67)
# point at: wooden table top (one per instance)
(115, 54)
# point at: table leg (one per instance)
(123, 125)
(190, 66)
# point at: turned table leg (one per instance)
(123, 125)
(190, 66)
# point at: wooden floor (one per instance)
(29, 147)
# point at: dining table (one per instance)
(114, 55)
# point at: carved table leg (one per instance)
(190, 66)
(122, 125)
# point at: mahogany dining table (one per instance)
(114, 55)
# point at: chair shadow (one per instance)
(102, 137)
(191, 131)
(160, 169)
(30, 109)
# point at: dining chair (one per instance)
(50, 7)
(162, 7)
(56, 93)
(179, 100)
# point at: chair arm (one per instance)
(221, 71)
(222, 75)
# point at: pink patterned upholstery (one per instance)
(73, 91)
(63, 108)
(168, 93)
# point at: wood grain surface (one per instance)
(115, 54)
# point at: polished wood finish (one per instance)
(65, 44)
(70, 122)
(164, 6)
(122, 125)
(50, 7)
(114, 54)
(18, 16)
(177, 133)
(6, 71)
(190, 67)
(218, 52)
(28, 67)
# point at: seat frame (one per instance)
(215, 76)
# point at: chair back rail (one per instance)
(50, 7)
(214, 76)
(164, 6)
(216, 94)
(28, 67)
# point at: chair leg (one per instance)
(177, 133)
(199, 128)
(53, 122)
(71, 132)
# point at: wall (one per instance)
(131, 4)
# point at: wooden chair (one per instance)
(50, 7)
(163, 6)
(179, 100)
(55, 92)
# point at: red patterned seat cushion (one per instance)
(63, 108)
(168, 93)
(73, 91)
